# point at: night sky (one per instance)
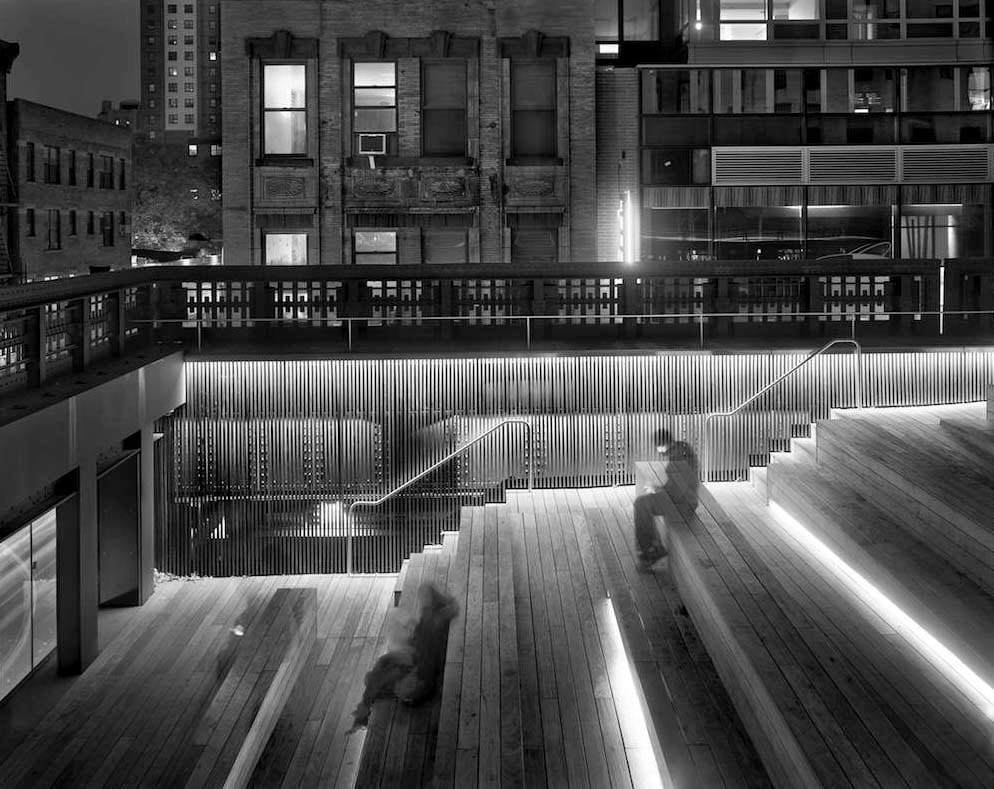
(73, 52)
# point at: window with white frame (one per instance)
(284, 109)
(374, 106)
(375, 247)
(285, 249)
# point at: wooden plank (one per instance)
(489, 743)
(511, 736)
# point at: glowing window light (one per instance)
(972, 686)
(645, 759)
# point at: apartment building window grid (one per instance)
(284, 109)
(107, 228)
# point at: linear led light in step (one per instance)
(962, 676)
(647, 768)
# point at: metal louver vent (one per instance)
(946, 164)
(846, 165)
(736, 166)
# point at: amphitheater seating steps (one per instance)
(833, 692)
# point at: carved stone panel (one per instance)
(275, 187)
(542, 185)
(443, 187)
(374, 187)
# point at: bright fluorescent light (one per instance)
(962, 676)
(645, 759)
(608, 49)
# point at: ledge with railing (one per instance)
(48, 328)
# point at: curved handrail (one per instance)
(857, 358)
(438, 464)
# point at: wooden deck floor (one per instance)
(127, 721)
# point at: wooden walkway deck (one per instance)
(129, 719)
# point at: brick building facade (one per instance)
(385, 132)
(72, 177)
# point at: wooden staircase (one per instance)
(832, 688)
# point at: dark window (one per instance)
(72, 221)
(52, 172)
(29, 222)
(89, 170)
(444, 245)
(533, 109)
(29, 162)
(54, 229)
(89, 223)
(106, 172)
(122, 178)
(443, 116)
(122, 224)
(107, 228)
(534, 238)
(72, 168)
(284, 109)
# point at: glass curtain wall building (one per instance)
(800, 129)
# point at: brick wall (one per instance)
(486, 20)
(47, 126)
(617, 153)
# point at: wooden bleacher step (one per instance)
(943, 497)
(399, 743)
(830, 694)
(927, 587)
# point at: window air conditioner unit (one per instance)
(372, 144)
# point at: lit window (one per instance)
(172, 24)
(189, 87)
(284, 109)
(173, 71)
(150, 40)
(375, 97)
(172, 40)
(215, 150)
(151, 104)
(191, 149)
(285, 249)
(173, 103)
(151, 87)
(151, 134)
(376, 246)
(212, 9)
(212, 55)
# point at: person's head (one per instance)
(663, 440)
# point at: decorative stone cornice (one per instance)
(281, 45)
(379, 46)
(534, 44)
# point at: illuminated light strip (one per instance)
(645, 756)
(973, 687)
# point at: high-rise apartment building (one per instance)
(181, 74)
(798, 129)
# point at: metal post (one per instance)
(701, 323)
(528, 332)
(348, 543)
(348, 325)
(200, 324)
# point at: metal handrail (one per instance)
(857, 358)
(438, 464)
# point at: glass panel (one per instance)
(930, 9)
(377, 258)
(758, 233)
(375, 241)
(663, 129)
(675, 234)
(445, 246)
(534, 133)
(15, 609)
(836, 98)
(850, 130)
(641, 20)
(969, 8)
(286, 249)
(795, 9)
(942, 231)
(43, 584)
(367, 119)
(533, 85)
(444, 85)
(286, 132)
(606, 20)
(978, 88)
(755, 87)
(861, 231)
(364, 74)
(444, 132)
(675, 91)
(742, 9)
(874, 90)
(933, 30)
(757, 130)
(284, 86)
(666, 166)
(931, 88)
(787, 90)
(742, 32)
(535, 245)
(375, 97)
